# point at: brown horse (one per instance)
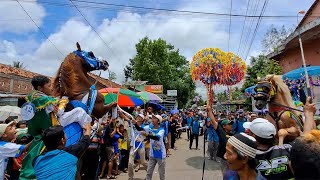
(273, 91)
(72, 79)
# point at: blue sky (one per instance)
(122, 27)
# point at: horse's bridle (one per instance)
(265, 90)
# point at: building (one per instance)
(15, 84)
(289, 55)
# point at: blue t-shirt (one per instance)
(238, 126)
(56, 164)
(189, 120)
(212, 134)
(165, 126)
(195, 127)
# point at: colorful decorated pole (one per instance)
(212, 66)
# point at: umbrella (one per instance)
(298, 73)
(174, 111)
(6, 111)
(150, 97)
(122, 100)
(157, 106)
(119, 91)
(250, 91)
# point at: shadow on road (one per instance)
(197, 162)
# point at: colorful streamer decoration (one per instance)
(212, 66)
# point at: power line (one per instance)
(249, 29)
(230, 26)
(170, 10)
(257, 26)
(39, 28)
(244, 23)
(93, 29)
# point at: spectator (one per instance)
(253, 116)
(136, 143)
(22, 128)
(58, 161)
(240, 154)
(107, 148)
(223, 133)
(158, 150)
(124, 149)
(8, 149)
(305, 156)
(173, 130)
(22, 139)
(238, 124)
(213, 141)
(271, 160)
(305, 153)
(189, 120)
(165, 126)
(195, 126)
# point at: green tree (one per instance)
(18, 64)
(158, 62)
(260, 67)
(112, 76)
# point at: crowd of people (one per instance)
(245, 144)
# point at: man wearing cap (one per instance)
(8, 149)
(157, 150)
(223, 133)
(271, 160)
(136, 143)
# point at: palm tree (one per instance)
(18, 64)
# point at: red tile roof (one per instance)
(9, 70)
(105, 82)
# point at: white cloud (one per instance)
(121, 34)
(15, 20)
(188, 33)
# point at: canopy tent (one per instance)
(298, 73)
(7, 111)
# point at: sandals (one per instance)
(112, 177)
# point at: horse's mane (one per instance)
(283, 90)
(65, 79)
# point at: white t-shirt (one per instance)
(7, 150)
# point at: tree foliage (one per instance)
(274, 38)
(18, 64)
(158, 62)
(260, 67)
(112, 76)
(236, 94)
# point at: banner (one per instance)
(156, 89)
(172, 93)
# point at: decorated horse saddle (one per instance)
(78, 116)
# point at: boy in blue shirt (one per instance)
(189, 120)
(194, 126)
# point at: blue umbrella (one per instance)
(298, 73)
(174, 111)
(250, 91)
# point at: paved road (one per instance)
(184, 164)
